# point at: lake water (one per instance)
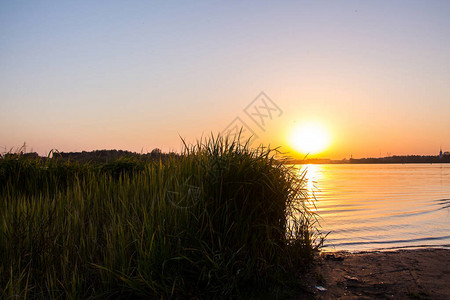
(382, 206)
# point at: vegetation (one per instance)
(220, 221)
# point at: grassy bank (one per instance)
(220, 221)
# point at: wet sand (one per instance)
(401, 274)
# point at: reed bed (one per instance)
(222, 220)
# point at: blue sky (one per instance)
(138, 75)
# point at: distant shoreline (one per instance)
(411, 159)
(108, 155)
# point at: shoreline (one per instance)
(390, 249)
(421, 273)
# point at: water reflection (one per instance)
(380, 206)
(313, 174)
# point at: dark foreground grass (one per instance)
(220, 221)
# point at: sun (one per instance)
(310, 138)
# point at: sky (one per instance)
(139, 75)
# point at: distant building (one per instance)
(440, 153)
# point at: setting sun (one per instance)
(310, 138)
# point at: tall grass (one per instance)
(221, 221)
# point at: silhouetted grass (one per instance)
(221, 221)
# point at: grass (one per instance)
(220, 221)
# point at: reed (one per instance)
(222, 220)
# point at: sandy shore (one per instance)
(402, 274)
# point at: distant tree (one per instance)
(31, 155)
(156, 151)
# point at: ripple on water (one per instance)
(383, 206)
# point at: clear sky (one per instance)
(136, 75)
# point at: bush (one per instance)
(223, 220)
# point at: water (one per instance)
(382, 206)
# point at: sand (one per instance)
(402, 274)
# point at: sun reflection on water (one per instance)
(313, 174)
